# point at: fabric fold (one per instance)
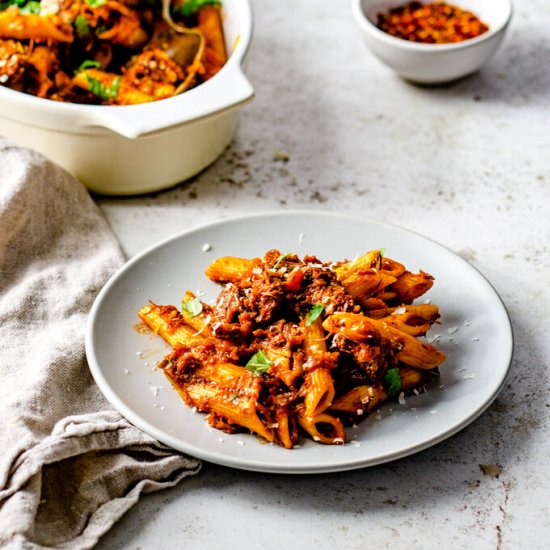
(70, 466)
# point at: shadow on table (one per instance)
(518, 74)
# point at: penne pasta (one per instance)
(296, 348)
(285, 428)
(363, 284)
(318, 387)
(32, 26)
(324, 428)
(359, 400)
(410, 286)
(359, 328)
(197, 314)
(407, 322)
(169, 324)
(228, 401)
(229, 270)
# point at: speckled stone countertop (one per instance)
(467, 165)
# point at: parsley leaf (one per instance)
(95, 3)
(382, 252)
(9, 3)
(100, 90)
(30, 7)
(280, 259)
(258, 363)
(88, 64)
(81, 26)
(190, 7)
(314, 313)
(25, 6)
(393, 381)
(193, 307)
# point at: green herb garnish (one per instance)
(30, 7)
(9, 3)
(258, 363)
(314, 313)
(88, 64)
(193, 307)
(393, 381)
(382, 252)
(95, 3)
(81, 26)
(190, 7)
(100, 90)
(25, 7)
(280, 259)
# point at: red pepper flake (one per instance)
(437, 23)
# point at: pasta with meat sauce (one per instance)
(296, 346)
(110, 52)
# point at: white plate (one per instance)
(475, 333)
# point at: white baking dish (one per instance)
(123, 150)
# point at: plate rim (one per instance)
(244, 463)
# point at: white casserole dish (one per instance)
(124, 150)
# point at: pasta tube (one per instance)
(324, 428)
(285, 430)
(199, 320)
(33, 26)
(229, 269)
(215, 54)
(358, 328)
(410, 286)
(367, 397)
(235, 401)
(170, 325)
(360, 399)
(407, 322)
(318, 384)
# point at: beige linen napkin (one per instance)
(70, 466)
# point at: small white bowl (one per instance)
(433, 63)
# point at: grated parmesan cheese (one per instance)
(49, 7)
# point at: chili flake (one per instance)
(437, 23)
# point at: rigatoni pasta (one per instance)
(298, 347)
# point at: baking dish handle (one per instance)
(228, 90)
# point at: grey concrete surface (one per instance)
(468, 165)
